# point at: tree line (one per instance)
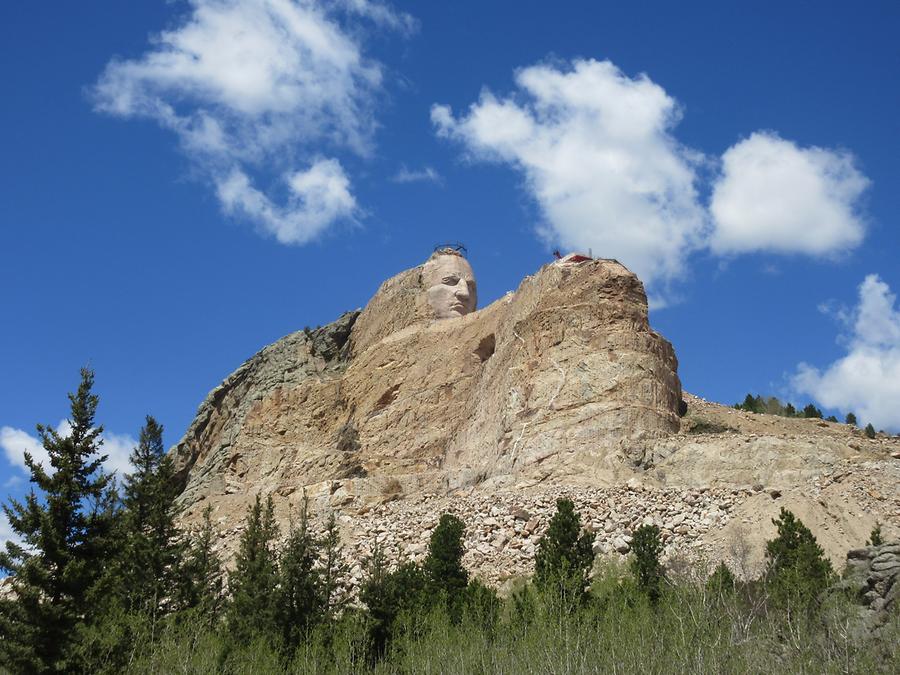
(104, 581)
(771, 405)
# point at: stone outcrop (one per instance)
(872, 578)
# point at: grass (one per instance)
(690, 630)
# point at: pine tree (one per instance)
(645, 565)
(199, 587)
(796, 567)
(152, 551)
(389, 595)
(851, 419)
(869, 431)
(66, 527)
(334, 570)
(300, 600)
(443, 565)
(812, 412)
(565, 553)
(251, 611)
(749, 403)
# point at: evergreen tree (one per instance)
(388, 596)
(565, 554)
(334, 570)
(851, 419)
(749, 403)
(796, 567)
(199, 587)
(152, 550)
(869, 431)
(300, 600)
(812, 412)
(645, 565)
(443, 565)
(251, 611)
(790, 410)
(66, 527)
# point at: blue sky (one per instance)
(185, 182)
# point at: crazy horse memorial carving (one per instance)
(423, 391)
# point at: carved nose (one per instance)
(462, 291)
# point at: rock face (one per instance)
(552, 380)
(210, 459)
(387, 417)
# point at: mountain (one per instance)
(389, 416)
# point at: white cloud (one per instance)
(252, 82)
(775, 196)
(424, 175)
(318, 196)
(117, 447)
(6, 532)
(598, 154)
(16, 442)
(867, 379)
(381, 14)
(596, 150)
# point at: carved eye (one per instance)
(451, 281)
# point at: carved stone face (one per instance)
(450, 284)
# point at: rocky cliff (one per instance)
(388, 417)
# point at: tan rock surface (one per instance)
(388, 417)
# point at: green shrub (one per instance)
(721, 581)
(875, 538)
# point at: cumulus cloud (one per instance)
(252, 82)
(775, 196)
(597, 153)
(318, 197)
(424, 175)
(867, 379)
(16, 442)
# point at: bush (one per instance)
(875, 538)
(721, 581)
